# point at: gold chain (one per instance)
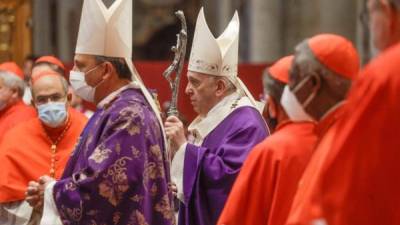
(53, 147)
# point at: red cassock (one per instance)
(264, 189)
(25, 154)
(13, 115)
(357, 180)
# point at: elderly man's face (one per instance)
(88, 65)
(201, 89)
(48, 89)
(50, 99)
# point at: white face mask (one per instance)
(293, 107)
(81, 88)
(53, 114)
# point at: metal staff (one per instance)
(177, 65)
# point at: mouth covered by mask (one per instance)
(81, 88)
(293, 107)
(53, 114)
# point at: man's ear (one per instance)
(15, 93)
(109, 70)
(221, 87)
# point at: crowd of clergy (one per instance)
(323, 147)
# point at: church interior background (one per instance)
(269, 30)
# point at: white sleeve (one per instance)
(18, 212)
(50, 213)
(177, 170)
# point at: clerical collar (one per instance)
(107, 100)
(202, 126)
(228, 100)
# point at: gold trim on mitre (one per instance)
(215, 56)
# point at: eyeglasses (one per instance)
(41, 100)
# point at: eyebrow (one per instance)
(192, 79)
(78, 64)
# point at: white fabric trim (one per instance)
(12, 213)
(202, 126)
(50, 213)
(177, 170)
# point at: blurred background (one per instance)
(270, 29)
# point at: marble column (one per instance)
(265, 30)
(42, 43)
(67, 28)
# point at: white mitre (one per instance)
(218, 56)
(105, 31)
(108, 32)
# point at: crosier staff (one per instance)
(177, 65)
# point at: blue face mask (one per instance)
(53, 114)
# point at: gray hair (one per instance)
(119, 64)
(313, 65)
(272, 87)
(12, 81)
(230, 87)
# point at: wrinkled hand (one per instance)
(35, 191)
(34, 195)
(175, 133)
(45, 180)
(174, 189)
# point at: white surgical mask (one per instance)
(81, 88)
(53, 114)
(293, 107)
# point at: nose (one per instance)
(188, 89)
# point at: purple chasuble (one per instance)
(211, 169)
(118, 173)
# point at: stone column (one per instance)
(265, 30)
(41, 27)
(224, 15)
(340, 17)
(67, 28)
